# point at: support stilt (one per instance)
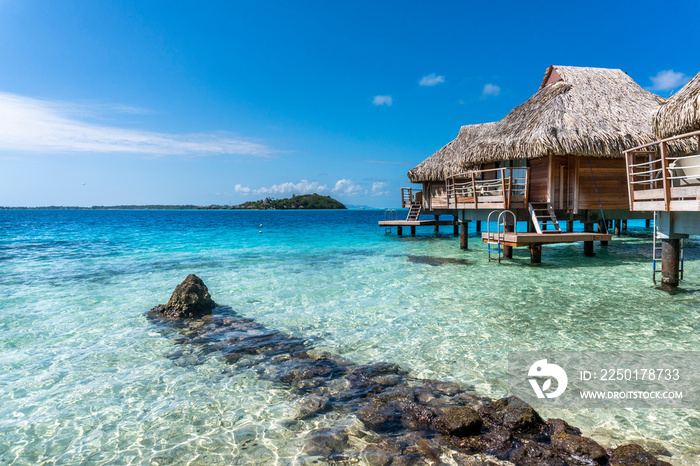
(624, 226)
(618, 227)
(463, 238)
(647, 223)
(569, 226)
(535, 253)
(413, 229)
(399, 231)
(670, 262)
(601, 229)
(478, 226)
(456, 227)
(508, 250)
(437, 223)
(588, 245)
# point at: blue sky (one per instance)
(182, 102)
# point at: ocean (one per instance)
(87, 378)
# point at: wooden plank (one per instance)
(525, 239)
(692, 205)
(648, 194)
(685, 191)
(649, 206)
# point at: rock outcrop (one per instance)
(399, 419)
(190, 299)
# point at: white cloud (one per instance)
(491, 89)
(347, 187)
(382, 100)
(378, 188)
(667, 80)
(431, 80)
(32, 125)
(302, 187)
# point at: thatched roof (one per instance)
(594, 112)
(681, 112)
(448, 160)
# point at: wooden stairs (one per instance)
(543, 217)
(414, 212)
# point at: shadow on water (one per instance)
(436, 261)
(401, 419)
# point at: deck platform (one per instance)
(413, 223)
(527, 239)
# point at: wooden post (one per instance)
(456, 226)
(508, 250)
(670, 261)
(413, 229)
(648, 223)
(478, 226)
(618, 227)
(399, 230)
(664, 174)
(601, 229)
(569, 226)
(624, 225)
(535, 253)
(588, 245)
(463, 238)
(437, 223)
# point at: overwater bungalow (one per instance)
(664, 177)
(559, 155)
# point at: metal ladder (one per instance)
(414, 211)
(543, 216)
(500, 234)
(390, 214)
(657, 253)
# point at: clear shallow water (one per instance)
(86, 378)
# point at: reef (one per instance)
(403, 420)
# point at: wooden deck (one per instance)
(413, 223)
(526, 239)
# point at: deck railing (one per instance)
(496, 188)
(410, 196)
(657, 181)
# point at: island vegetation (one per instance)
(305, 201)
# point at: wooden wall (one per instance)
(610, 179)
(539, 180)
(435, 196)
(567, 183)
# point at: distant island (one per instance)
(305, 201)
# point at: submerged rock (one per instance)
(513, 414)
(190, 299)
(401, 420)
(581, 447)
(634, 455)
(460, 421)
(325, 442)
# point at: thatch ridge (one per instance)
(681, 112)
(448, 160)
(596, 112)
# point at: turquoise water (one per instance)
(86, 378)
